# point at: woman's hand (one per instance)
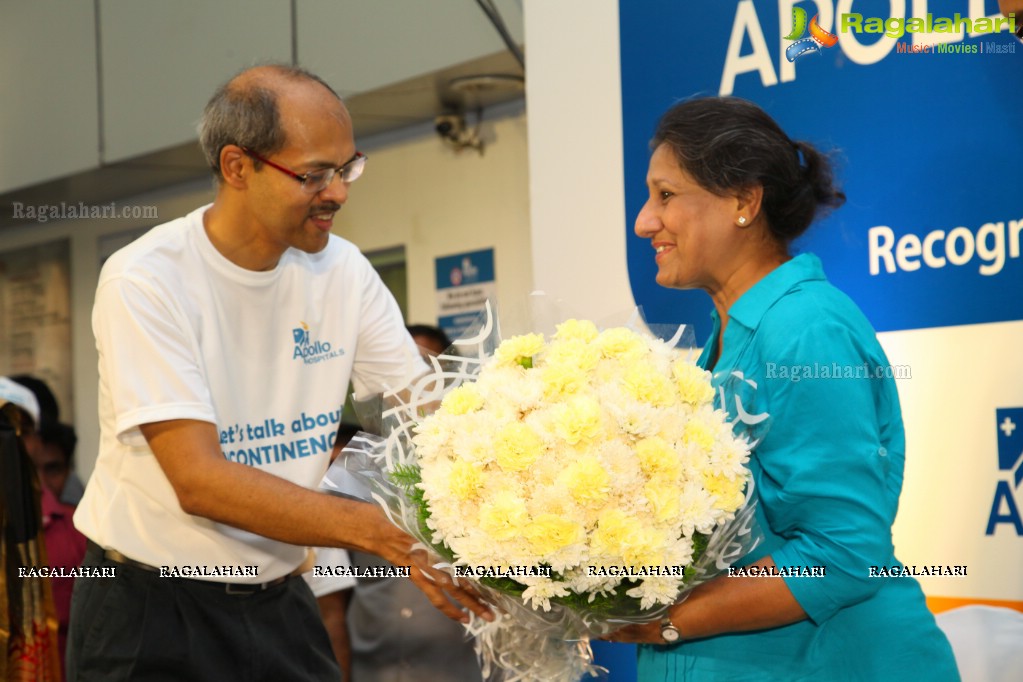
(724, 604)
(639, 633)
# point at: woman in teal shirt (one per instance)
(728, 192)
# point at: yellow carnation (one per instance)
(572, 353)
(620, 534)
(693, 382)
(562, 380)
(465, 479)
(462, 400)
(516, 447)
(547, 533)
(578, 330)
(728, 491)
(517, 348)
(643, 382)
(645, 549)
(621, 343)
(698, 434)
(503, 517)
(657, 457)
(586, 480)
(578, 420)
(663, 498)
(613, 532)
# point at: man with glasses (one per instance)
(226, 340)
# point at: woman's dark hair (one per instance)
(727, 145)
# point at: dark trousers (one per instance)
(139, 626)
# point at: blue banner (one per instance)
(925, 119)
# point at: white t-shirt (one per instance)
(323, 582)
(183, 333)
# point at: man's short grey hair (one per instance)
(247, 116)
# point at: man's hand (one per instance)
(438, 586)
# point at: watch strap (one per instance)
(669, 633)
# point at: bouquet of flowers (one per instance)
(586, 481)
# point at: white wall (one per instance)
(577, 197)
(49, 112)
(438, 202)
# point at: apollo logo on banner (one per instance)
(1005, 509)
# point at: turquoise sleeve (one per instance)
(827, 462)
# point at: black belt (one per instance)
(229, 588)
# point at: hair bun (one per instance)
(728, 144)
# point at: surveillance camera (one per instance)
(449, 126)
(454, 132)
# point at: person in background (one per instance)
(395, 636)
(51, 448)
(54, 456)
(226, 340)
(431, 340)
(64, 481)
(331, 591)
(65, 545)
(728, 192)
(29, 641)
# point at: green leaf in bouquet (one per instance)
(406, 476)
(700, 542)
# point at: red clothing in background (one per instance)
(65, 547)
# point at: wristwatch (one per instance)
(670, 633)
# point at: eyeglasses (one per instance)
(317, 181)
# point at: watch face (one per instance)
(669, 634)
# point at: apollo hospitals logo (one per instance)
(1005, 509)
(310, 351)
(813, 43)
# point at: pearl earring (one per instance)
(742, 220)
